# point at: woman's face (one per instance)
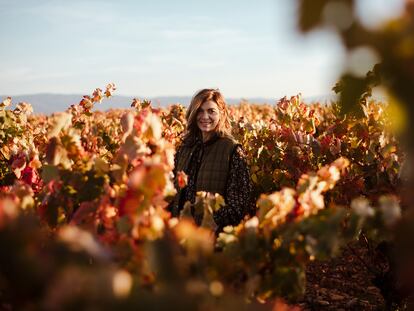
(208, 116)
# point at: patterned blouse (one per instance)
(238, 194)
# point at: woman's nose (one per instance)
(204, 115)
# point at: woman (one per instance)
(212, 160)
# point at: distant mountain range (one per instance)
(47, 103)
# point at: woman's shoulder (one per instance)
(229, 140)
(232, 145)
(235, 146)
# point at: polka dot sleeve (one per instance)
(238, 195)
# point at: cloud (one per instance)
(28, 74)
(70, 11)
(185, 33)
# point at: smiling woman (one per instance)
(208, 117)
(213, 160)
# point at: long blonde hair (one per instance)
(223, 128)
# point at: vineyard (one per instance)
(84, 225)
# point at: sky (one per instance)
(163, 48)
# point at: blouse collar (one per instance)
(214, 137)
(199, 140)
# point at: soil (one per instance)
(345, 282)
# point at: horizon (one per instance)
(47, 103)
(143, 97)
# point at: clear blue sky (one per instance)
(153, 48)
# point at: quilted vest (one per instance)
(213, 172)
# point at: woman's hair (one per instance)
(223, 128)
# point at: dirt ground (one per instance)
(345, 282)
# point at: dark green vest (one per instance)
(214, 169)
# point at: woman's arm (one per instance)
(238, 194)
